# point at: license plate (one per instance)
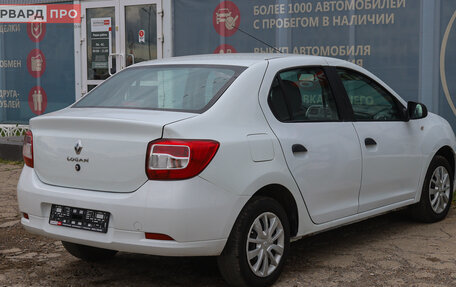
(80, 218)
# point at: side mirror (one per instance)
(416, 110)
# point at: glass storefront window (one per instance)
(97, 44)
(140, 33)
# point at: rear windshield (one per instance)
(188, 88)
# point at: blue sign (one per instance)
(36, 70)
(447, 101)
(382, 36)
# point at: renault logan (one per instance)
(231, 156)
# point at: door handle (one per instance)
(132, 58)
(370, 142)
(110, 57)
(298, 148)
(110, 63)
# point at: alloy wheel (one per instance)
(439, 189)
(265, 244)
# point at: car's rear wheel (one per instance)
(437, 192)
(258, 245)
(88, 253)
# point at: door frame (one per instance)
(119, 28)
(122, 6)
(88, 5)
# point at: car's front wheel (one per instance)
(437, 192)
(258, 244)
(88, 253)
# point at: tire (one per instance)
(234, 264)
(437, 192)
(88, 253)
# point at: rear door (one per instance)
(321, 149)
(392, 158)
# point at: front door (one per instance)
(392, 157)
(116, 34)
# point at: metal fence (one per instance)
(12, 130)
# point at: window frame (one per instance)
(343, 91)
(340, 103)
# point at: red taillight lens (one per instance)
(178, 159)
(158, 236)
(27, 149)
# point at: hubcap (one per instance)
(265, 244)
(439, 189)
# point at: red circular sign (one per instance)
(36, 31)
(141, 33)
(36, 63)
(226, 18)
(37, 100)
(225, 49)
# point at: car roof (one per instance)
(237, 59)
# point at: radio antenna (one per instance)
(259, 40)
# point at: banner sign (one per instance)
(447, 103)
(380, 35)
(51, 13)
(36, 70)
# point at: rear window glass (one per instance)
(176, 88)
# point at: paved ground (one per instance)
(390, 250)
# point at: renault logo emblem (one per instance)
(78, 147)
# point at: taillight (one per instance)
(158, 236)
(27, 149)
(178, 159)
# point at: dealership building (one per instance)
(44, 67)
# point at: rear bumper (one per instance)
(195, 213)
(121, 240)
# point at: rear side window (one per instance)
(302, 95)
(177, 88)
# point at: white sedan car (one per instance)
(231, 156)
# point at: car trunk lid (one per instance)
(97, 149)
